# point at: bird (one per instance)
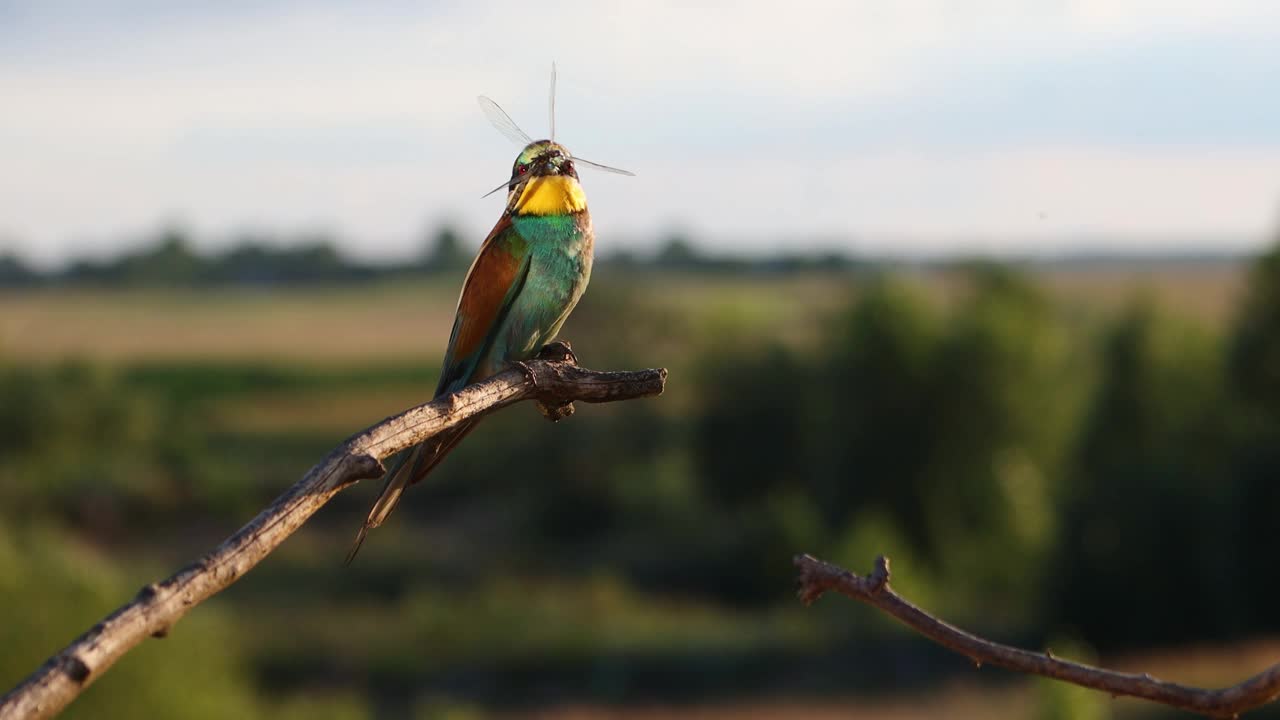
(526, 279)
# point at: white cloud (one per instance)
(304, 114)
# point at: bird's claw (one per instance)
(528, 372)
(558, 351)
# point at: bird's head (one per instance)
(544, 178)
(544, 181)
(541, 158)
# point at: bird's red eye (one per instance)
(523, 169)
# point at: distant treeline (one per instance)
(171, 259)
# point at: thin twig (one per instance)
(817, 577)
(155, 609)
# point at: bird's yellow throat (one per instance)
(551, 195)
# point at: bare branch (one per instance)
(817, 577)
(555, 384)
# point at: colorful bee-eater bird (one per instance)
(526, 279)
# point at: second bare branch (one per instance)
(818, 577)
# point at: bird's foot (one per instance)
(528, 372)
(558, 351)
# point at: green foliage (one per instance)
(997, 423)
(875, 390)
(58, 587)
(1148, 496)
(1255, 346)
(949, 430)
(320, 705)
(171, 260)
(757, 402)
(1254, 377)
(254, 262)
(75, 443)
(446, 253)
(1023, 469)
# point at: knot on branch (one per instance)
(879, 577)
(363, 467)
(809, 584)
(74, 668)
(817, 576)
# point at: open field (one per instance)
(403, 320)
(303, 325)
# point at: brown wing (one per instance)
(491, 283)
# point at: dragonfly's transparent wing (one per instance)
(501, 120)
(606, 168)
(551, 103)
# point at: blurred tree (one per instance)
(1147, 545)
(16, 273)
(730, 538)
(1253, 519)
(316, 258)
(749, 435)
(999, 418)
(873, 430)
(170, 261)
(1254, 377)
(1254, 354)
(445, 252)
(678, 252)
(254, 261)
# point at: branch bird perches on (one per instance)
(817, 577)
(554, 380)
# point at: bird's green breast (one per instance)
(561, 246)
(559, 256)
(544, 229)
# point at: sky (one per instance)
(903, 127)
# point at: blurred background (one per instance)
(992, 288)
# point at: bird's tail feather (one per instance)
(410, 469)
